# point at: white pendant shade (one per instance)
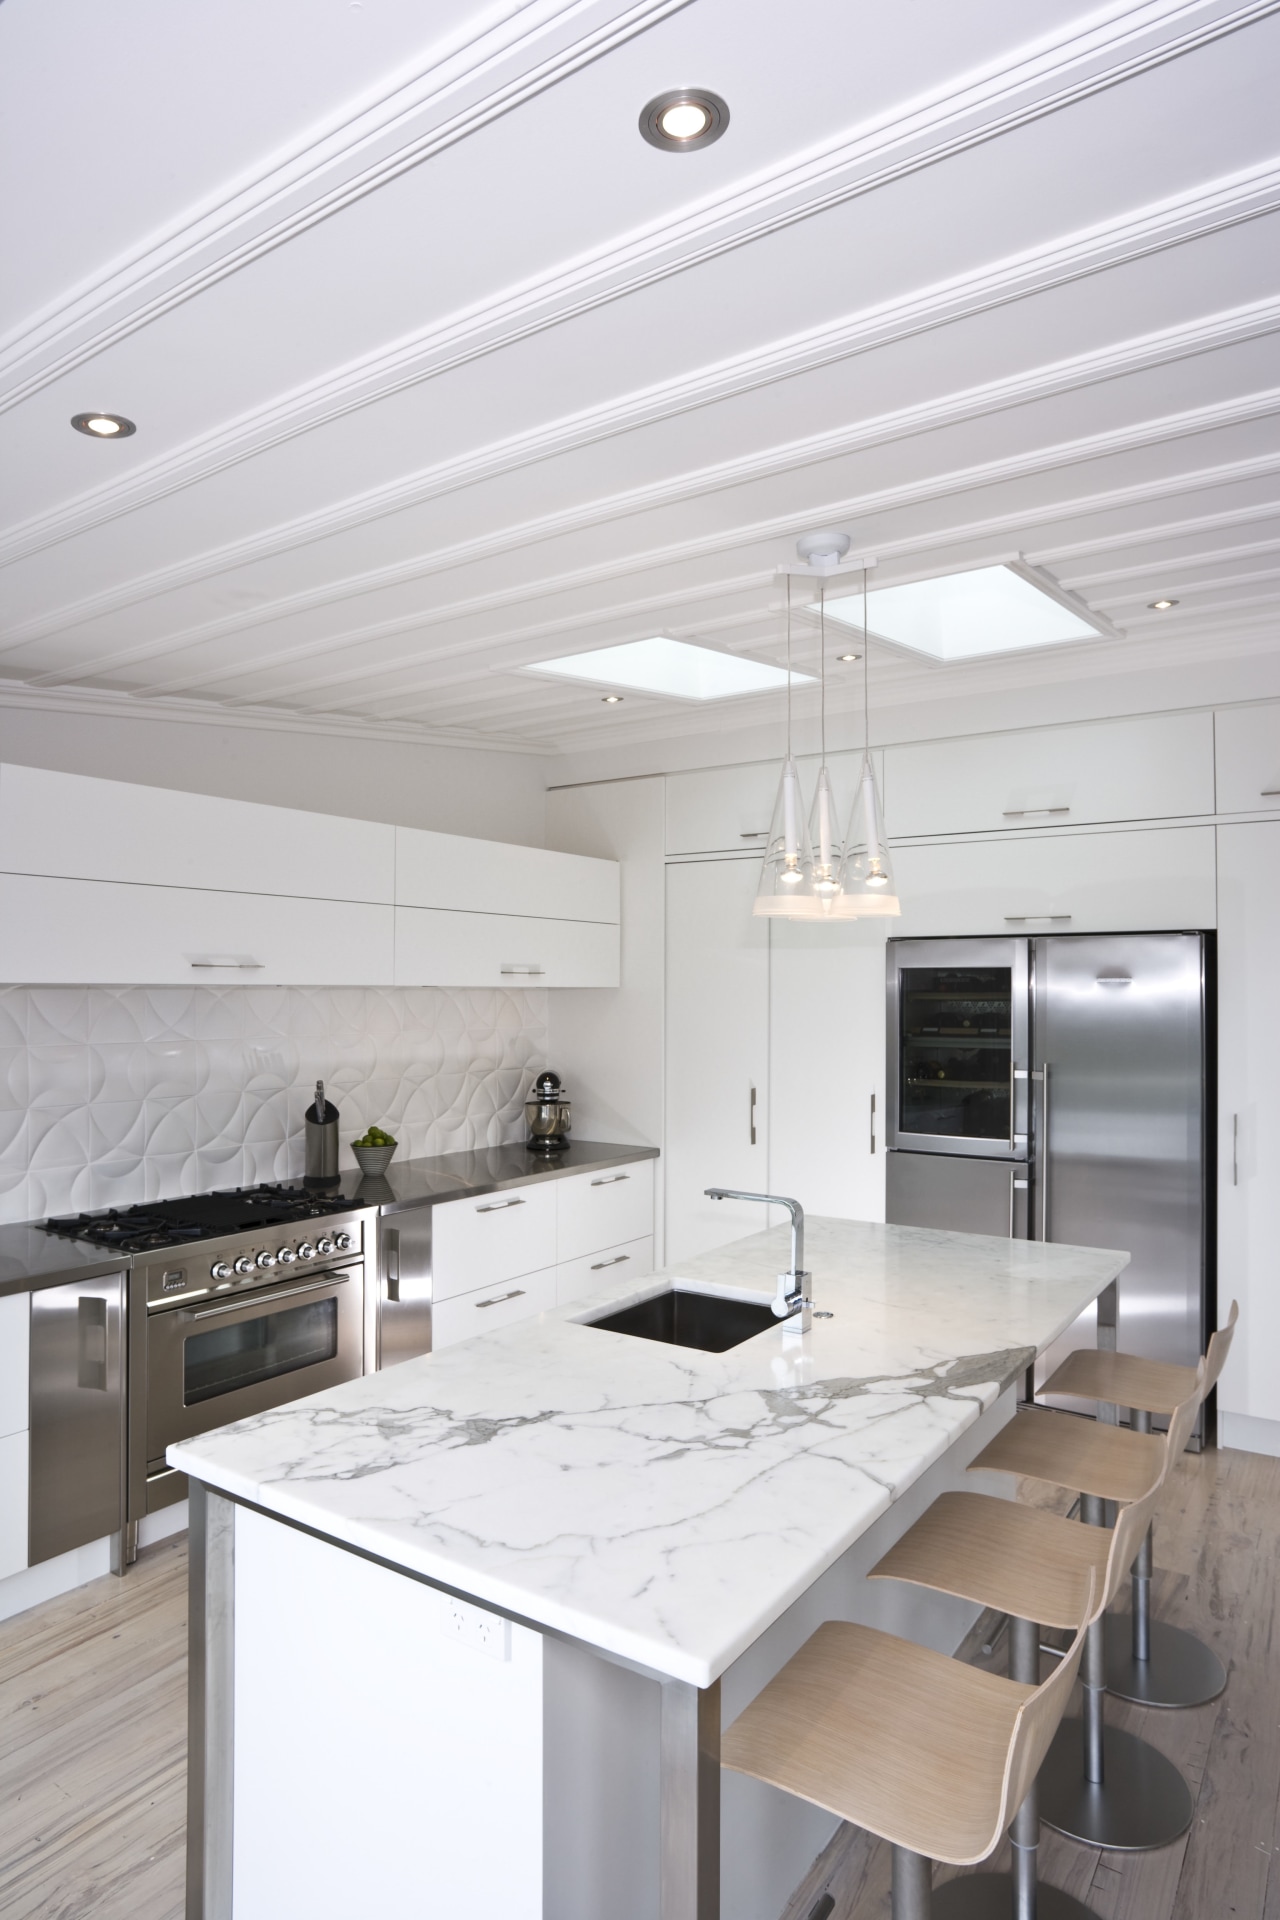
(868, 885)
(825, 842)
(786, 879)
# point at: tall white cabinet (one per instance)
(1249, 1130)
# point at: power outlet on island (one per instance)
(486, 1632)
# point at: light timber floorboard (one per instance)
(93, 1732)
(1218, 1574)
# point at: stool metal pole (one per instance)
(912, 1885)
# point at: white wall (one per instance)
(470, 790)
(608, 1043)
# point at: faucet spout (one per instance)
(794, 1293)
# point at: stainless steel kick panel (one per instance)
(77, 1488)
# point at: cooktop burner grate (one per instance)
(212, 1216)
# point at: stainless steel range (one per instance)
(238, 1302)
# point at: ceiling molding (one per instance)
(103, 702)
(1210, 556)
(1039, 460)
(363, 147)
(1127, 43)
(1230, 327)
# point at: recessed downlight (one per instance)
(103, 426)
(847, 658)
(612, 699)
(684, 119)
(1161, 606)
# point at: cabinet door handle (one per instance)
(516, 1293)
(618, 1260)
(1021, 919)
(1235, 1149)
(232, 966)
(528, 970)
(497, 1206)
(1269, 793)
(873, 1123)
(752, 1116)
(755, 836)
(610, 1179)
(1025, 813)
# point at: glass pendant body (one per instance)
(867, 884)
(825, 844)
(786, 879)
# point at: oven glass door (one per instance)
(212, 1364)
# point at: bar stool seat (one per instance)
(1107, 1463)
(1148, 1661)
(926, 1752)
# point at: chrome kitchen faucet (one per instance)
(793, 1301)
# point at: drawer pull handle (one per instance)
(610, 1179)
(1021, 919)
(618, 1260)
(529, 970)
(1025, 813)
(497, 1206)
(755, 836)
(516, 1293)
(232, 966)
(1270, 793)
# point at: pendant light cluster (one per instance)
(810, 872)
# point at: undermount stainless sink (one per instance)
(704, 1320)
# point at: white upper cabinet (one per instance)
(1248, 755)
(1156, 877)
(490, 876)
(75, 827)
(1147, 769)
(503, 950)
(728, 809)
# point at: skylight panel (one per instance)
(672, 668)
(971, 615)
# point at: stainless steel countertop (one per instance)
(30, 1259)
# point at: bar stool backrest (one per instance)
(1219, 1347)
(1038, 1718)
(1132, 1521)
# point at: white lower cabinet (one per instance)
(1124, 882)
(479, 1243)
(1249, 1130)
(500, 1304)
(577, 1279)
(14, 1478)
(115, 933)
(443, 949)
(603, 1209)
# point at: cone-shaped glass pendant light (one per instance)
(867, 884)
(786, 879)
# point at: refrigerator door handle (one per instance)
(391, 1263)
(1043, 1156)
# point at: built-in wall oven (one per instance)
(227, 1329)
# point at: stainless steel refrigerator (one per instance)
(1055, 1088)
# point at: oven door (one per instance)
(211, 1364)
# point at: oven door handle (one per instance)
(265, 1299)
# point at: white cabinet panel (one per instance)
(491, 876)
(13, 1503)
(603, 1209)
(1078, 883)
(717, 1054)
(721, 810)
(578, 1279)
(107, 932)
(1248, 757)
(476, 1243)
(1144, 769)
(826, 1064)
(15, 1355)
(499, 1305)
(1249, 1114)
(435, 949)
(89, 829)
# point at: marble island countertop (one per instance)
(664, 1504)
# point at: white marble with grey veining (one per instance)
(663, 1504)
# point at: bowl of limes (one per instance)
(373, 1151)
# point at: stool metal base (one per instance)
(1143, 1801)
(1182, 1671)
(989, 1896)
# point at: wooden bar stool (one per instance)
(1147, 1661)
(921, 1750)
(1030, 1565)
(1126, 1797)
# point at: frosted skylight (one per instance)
(671, 667)
(964, 616)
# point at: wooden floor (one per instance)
(93, 1724)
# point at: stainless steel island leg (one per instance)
(210, 1704)
(690, 1801)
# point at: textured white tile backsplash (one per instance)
(110, 1095)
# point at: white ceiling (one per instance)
(438, 369)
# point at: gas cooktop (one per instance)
(208, 1216)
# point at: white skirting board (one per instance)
(1247, 1434)
(67, 1571)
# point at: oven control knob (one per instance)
(266, 1259)
(244, 1264)
(287, 1256)
(220, 1270)
(342, 1241)
(305, 1250)
(325, 1245)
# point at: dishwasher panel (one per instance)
(404, 1287)
(77, 1414)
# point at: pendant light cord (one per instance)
(788, 666)
(866, 681)
(822, 642)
